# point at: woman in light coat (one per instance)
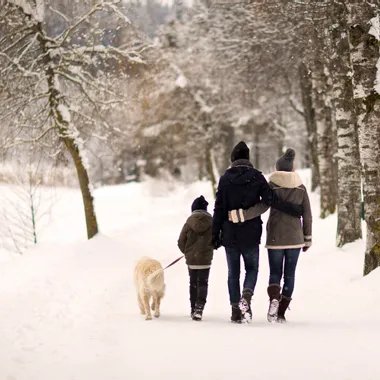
(286, 234)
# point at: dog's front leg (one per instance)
(156, 302)
(146, 299)
(141, 304)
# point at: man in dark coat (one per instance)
(242, 187)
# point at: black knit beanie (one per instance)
(199, 203)
(286, 161)
(240, 152)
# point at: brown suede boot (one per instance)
(284, 304)
(274, 291)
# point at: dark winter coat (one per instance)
(241, 186)
(195, 239)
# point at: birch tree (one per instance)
(57, 86)
(349, 175)
(364, 34)
(309, 116)
(325, 137)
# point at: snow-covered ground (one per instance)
(68, 309)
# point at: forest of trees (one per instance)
(118, 91)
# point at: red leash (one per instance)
(175, 261)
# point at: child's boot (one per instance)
(198, 313)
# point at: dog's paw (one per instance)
(157, 315)
(148, 318)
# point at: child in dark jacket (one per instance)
(195, 243)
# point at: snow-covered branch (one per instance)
(108, 51)
(18, 141)
(14, 62)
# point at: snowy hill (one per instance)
(68, 309)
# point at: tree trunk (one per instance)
(309, 115)
(256, 148)
(331, 123)
(200, 168)
(349, 181)
(84, 183)
(55, 98)
(33, 216)
(210, 167)
(364, 40)
(325, 141)
(229, 145)
(280, 147)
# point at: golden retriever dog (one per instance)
(149, 283)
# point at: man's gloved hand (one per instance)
(305, 248)
(216, 241)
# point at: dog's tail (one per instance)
(156, 280)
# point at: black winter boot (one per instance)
(284, 304)
(245, 304)
(274, 301)
(198, 313)
(236, 316)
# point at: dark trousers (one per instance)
(283, 262)
(198, 287)
(251, 264)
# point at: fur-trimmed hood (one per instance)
(289, 180)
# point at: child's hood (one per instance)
(199, 221)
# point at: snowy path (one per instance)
(68, 310)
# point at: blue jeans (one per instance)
(251, 264)
(283, 262)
